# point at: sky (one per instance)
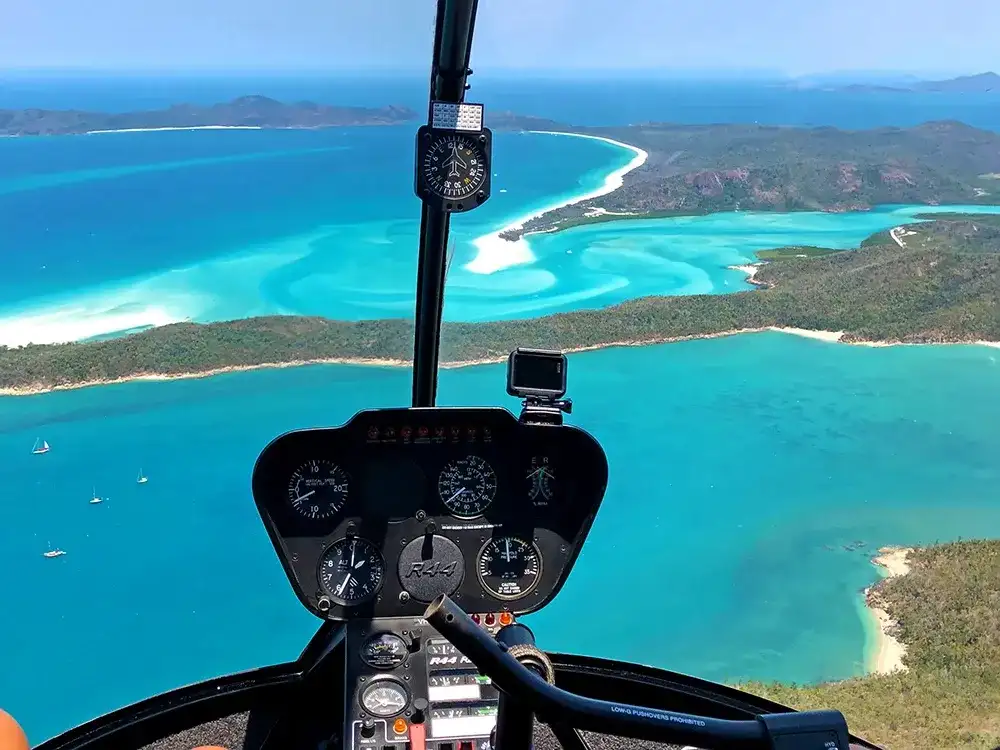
(795, 37)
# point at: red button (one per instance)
(490, 618)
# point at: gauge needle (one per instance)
(507, 545)
(303, 497)
(456, 494)
(343, 585)
(354, 547)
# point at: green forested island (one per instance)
(246, 111)
(942, 284)
(947, 610)
(698, 169)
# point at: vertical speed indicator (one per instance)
(318, 489)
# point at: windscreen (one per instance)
(766, 235)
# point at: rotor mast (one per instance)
(449, 73)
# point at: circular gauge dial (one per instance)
(540, 480)
(318, 489)
(351, 571)
(454, 166)
(467, 486)
(384, 698)
(509, 567)
(384, 651)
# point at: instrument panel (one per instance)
(378, 517)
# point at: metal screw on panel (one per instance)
(324, 604)
(404, 597)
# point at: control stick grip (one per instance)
(515, 719)
(520, 643)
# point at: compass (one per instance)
(453, 168)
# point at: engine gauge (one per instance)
(384, 698)
(540, 480)
(384, 651)
(318, 489)
(467, 486)
(351, 571)
(509, 567)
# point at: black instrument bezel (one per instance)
(557, 529)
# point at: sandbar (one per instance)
(494, 253)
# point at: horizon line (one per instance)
(414, 71)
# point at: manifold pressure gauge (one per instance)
(453, 158)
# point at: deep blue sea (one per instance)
(748, 463)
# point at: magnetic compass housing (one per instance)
(453, 168)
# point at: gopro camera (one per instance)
(536, 374)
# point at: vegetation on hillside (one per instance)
(698, 169)
(932, 290)
(246, 111)
(948, 614)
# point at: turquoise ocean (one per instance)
(752, 465)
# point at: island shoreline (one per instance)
(886, 654)
(833, 337)
(495, 253)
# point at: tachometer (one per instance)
(467, 486)
(351, 571)
(318, 489)
(509, 567)
(384, 698)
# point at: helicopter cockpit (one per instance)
(420, 535)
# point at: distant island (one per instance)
(930, 282)
(700, 169)
(943, 611)
(981, 83)
(244, 112)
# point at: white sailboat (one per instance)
(40, 446)
(95, 499)
(53, 552)
(142, 478)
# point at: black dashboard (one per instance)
(373, 520)
(376, 518)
